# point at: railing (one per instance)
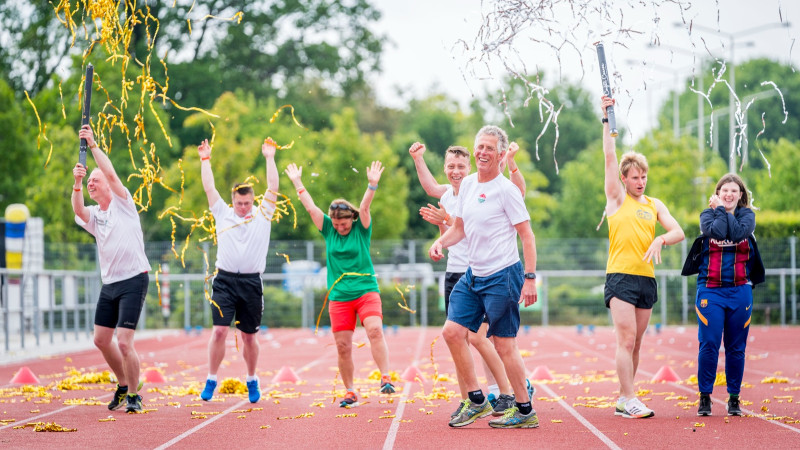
(57, 305)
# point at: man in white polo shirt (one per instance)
(242, 243)
(114, 222)
(490, 214)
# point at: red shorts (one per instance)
(343, 314)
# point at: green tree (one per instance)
(578, 125)
(16, 145)
(582, 199)
(750, 78)
(34, 45)
(778, 188)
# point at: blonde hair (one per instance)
(337, 213)
(456, 150)
(633, 159)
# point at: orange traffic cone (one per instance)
(24, 376)
(665, 373)
(153, 375)
(286, 375)
(412, 374)
(541, 373)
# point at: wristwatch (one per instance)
(530, 276)
(604, 120)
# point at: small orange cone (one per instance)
(286, 375)
(541, 373)
(153, 375)
(412, 373)
(665, 373)
(24, 376)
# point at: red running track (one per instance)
(575, 409)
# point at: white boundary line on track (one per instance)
(36, 418)
(191, 431)
(584, 421)
(391, 435)
(684, 388)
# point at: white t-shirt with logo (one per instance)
(242, 242)
(120, 244)
(489, 211)
(457, 261)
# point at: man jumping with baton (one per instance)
(114, 222)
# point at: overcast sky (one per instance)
(424, 56)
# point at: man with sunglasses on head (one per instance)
(242, 242)
(351, 277)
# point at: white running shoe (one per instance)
(635, 409)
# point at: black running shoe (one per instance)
(134, 403)
(733, 406)
(119, 398)
(705, 405)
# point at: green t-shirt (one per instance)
(349, 254)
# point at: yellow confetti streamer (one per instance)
(405, 303)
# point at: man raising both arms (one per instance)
(242, 243)
(630, 289)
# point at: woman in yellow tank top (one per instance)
(630, 290)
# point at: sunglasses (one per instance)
(342, 206)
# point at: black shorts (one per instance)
(450, 280)
(639, 291)
(240, 296)
(120, 304)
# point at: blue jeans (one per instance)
(496, 296)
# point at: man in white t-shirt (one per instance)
(490, 214)
(456, 168)
(114, 222)
(242, 243)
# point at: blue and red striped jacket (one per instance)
(726, 254)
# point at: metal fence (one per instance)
(57, 302)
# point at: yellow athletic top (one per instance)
(631, 230)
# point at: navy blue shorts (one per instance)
(120, 304)
(496, 297)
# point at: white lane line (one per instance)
(191, 431)
(205, 423)
(391, 435)
(682, 387)
(606, 440)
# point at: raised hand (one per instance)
(374, 172)
(79, 172)
(268, 148)
(294, 172)
(416, 150)
(86, 133)
(204, 150)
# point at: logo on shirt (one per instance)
(703, 303)
(481, 198)
(644, 215)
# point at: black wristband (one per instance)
(604, 120)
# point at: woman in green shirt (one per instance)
(351, 276)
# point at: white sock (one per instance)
(622, 399)
(494, 389)
(212, 377)
(251, 378)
